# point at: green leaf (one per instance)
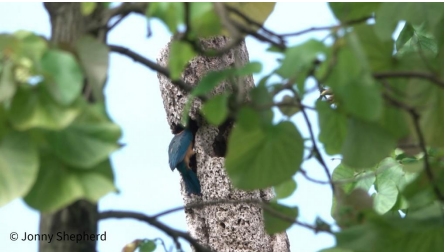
(379, 53)
(395, 121)
(64, 78)
(285, 189)
(342, 173)
(210, 81)
(279, 218)
(335, 250)
(106, 4)
(389, 14)
(249, 68)
(386, 196)
(36, 109)
(352, 11)
(361, 101)
(19, 162)
(405, 35)
(186, 110)
(395, 235)
(350, 179)
(84, 143)
(299, 59)
(215, 110)
(255, 11)
(365, 144)
(8, 44)
(349, 68)
(432, 119)
(147, 246)
(262, 100)
(213, 78)
(31, 45)
(332, 128)
(420, 193)
(87, 8)
(248, 118)
(180, 55)
(289, 110)
(172, 14)
(93, 57)
(58, 184)
(259, 158)
(203, 20)
(7, 82)
(391, 178)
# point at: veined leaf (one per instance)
(63, 76)
(262, 157)
(19, 163)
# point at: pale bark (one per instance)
(221, 227)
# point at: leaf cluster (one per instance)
(54, 143)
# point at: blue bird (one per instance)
(180, 151)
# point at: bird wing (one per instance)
(178, 147)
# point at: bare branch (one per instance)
(407, 74)
(314, 143)
(175, 234)
(254, 23)
(312, 179)
(322, 28)
(264, 205)
(187, 87)
(127, 8)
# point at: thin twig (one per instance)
(162, 242)
(117, 22)
(406, 74)
(415, 116)
(312, 179)
(322, 28)
(253, 22)
(314, 143)
(175, 234)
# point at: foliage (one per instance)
(54, 144)
(380, 108)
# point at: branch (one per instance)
(186, 87)
(264, 205)
(415, 116)
(235, 29)
(254, 23)
(314, 143)
(175, 234)
(127, 8)
(402, 74)
(322, 28)
(312, 179)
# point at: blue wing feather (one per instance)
(178, 147)
(176, 153)
(191, 181)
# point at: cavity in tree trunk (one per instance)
(225, 227)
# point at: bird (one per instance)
(180, 151)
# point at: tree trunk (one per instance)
(68, 25)
(224, 227)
